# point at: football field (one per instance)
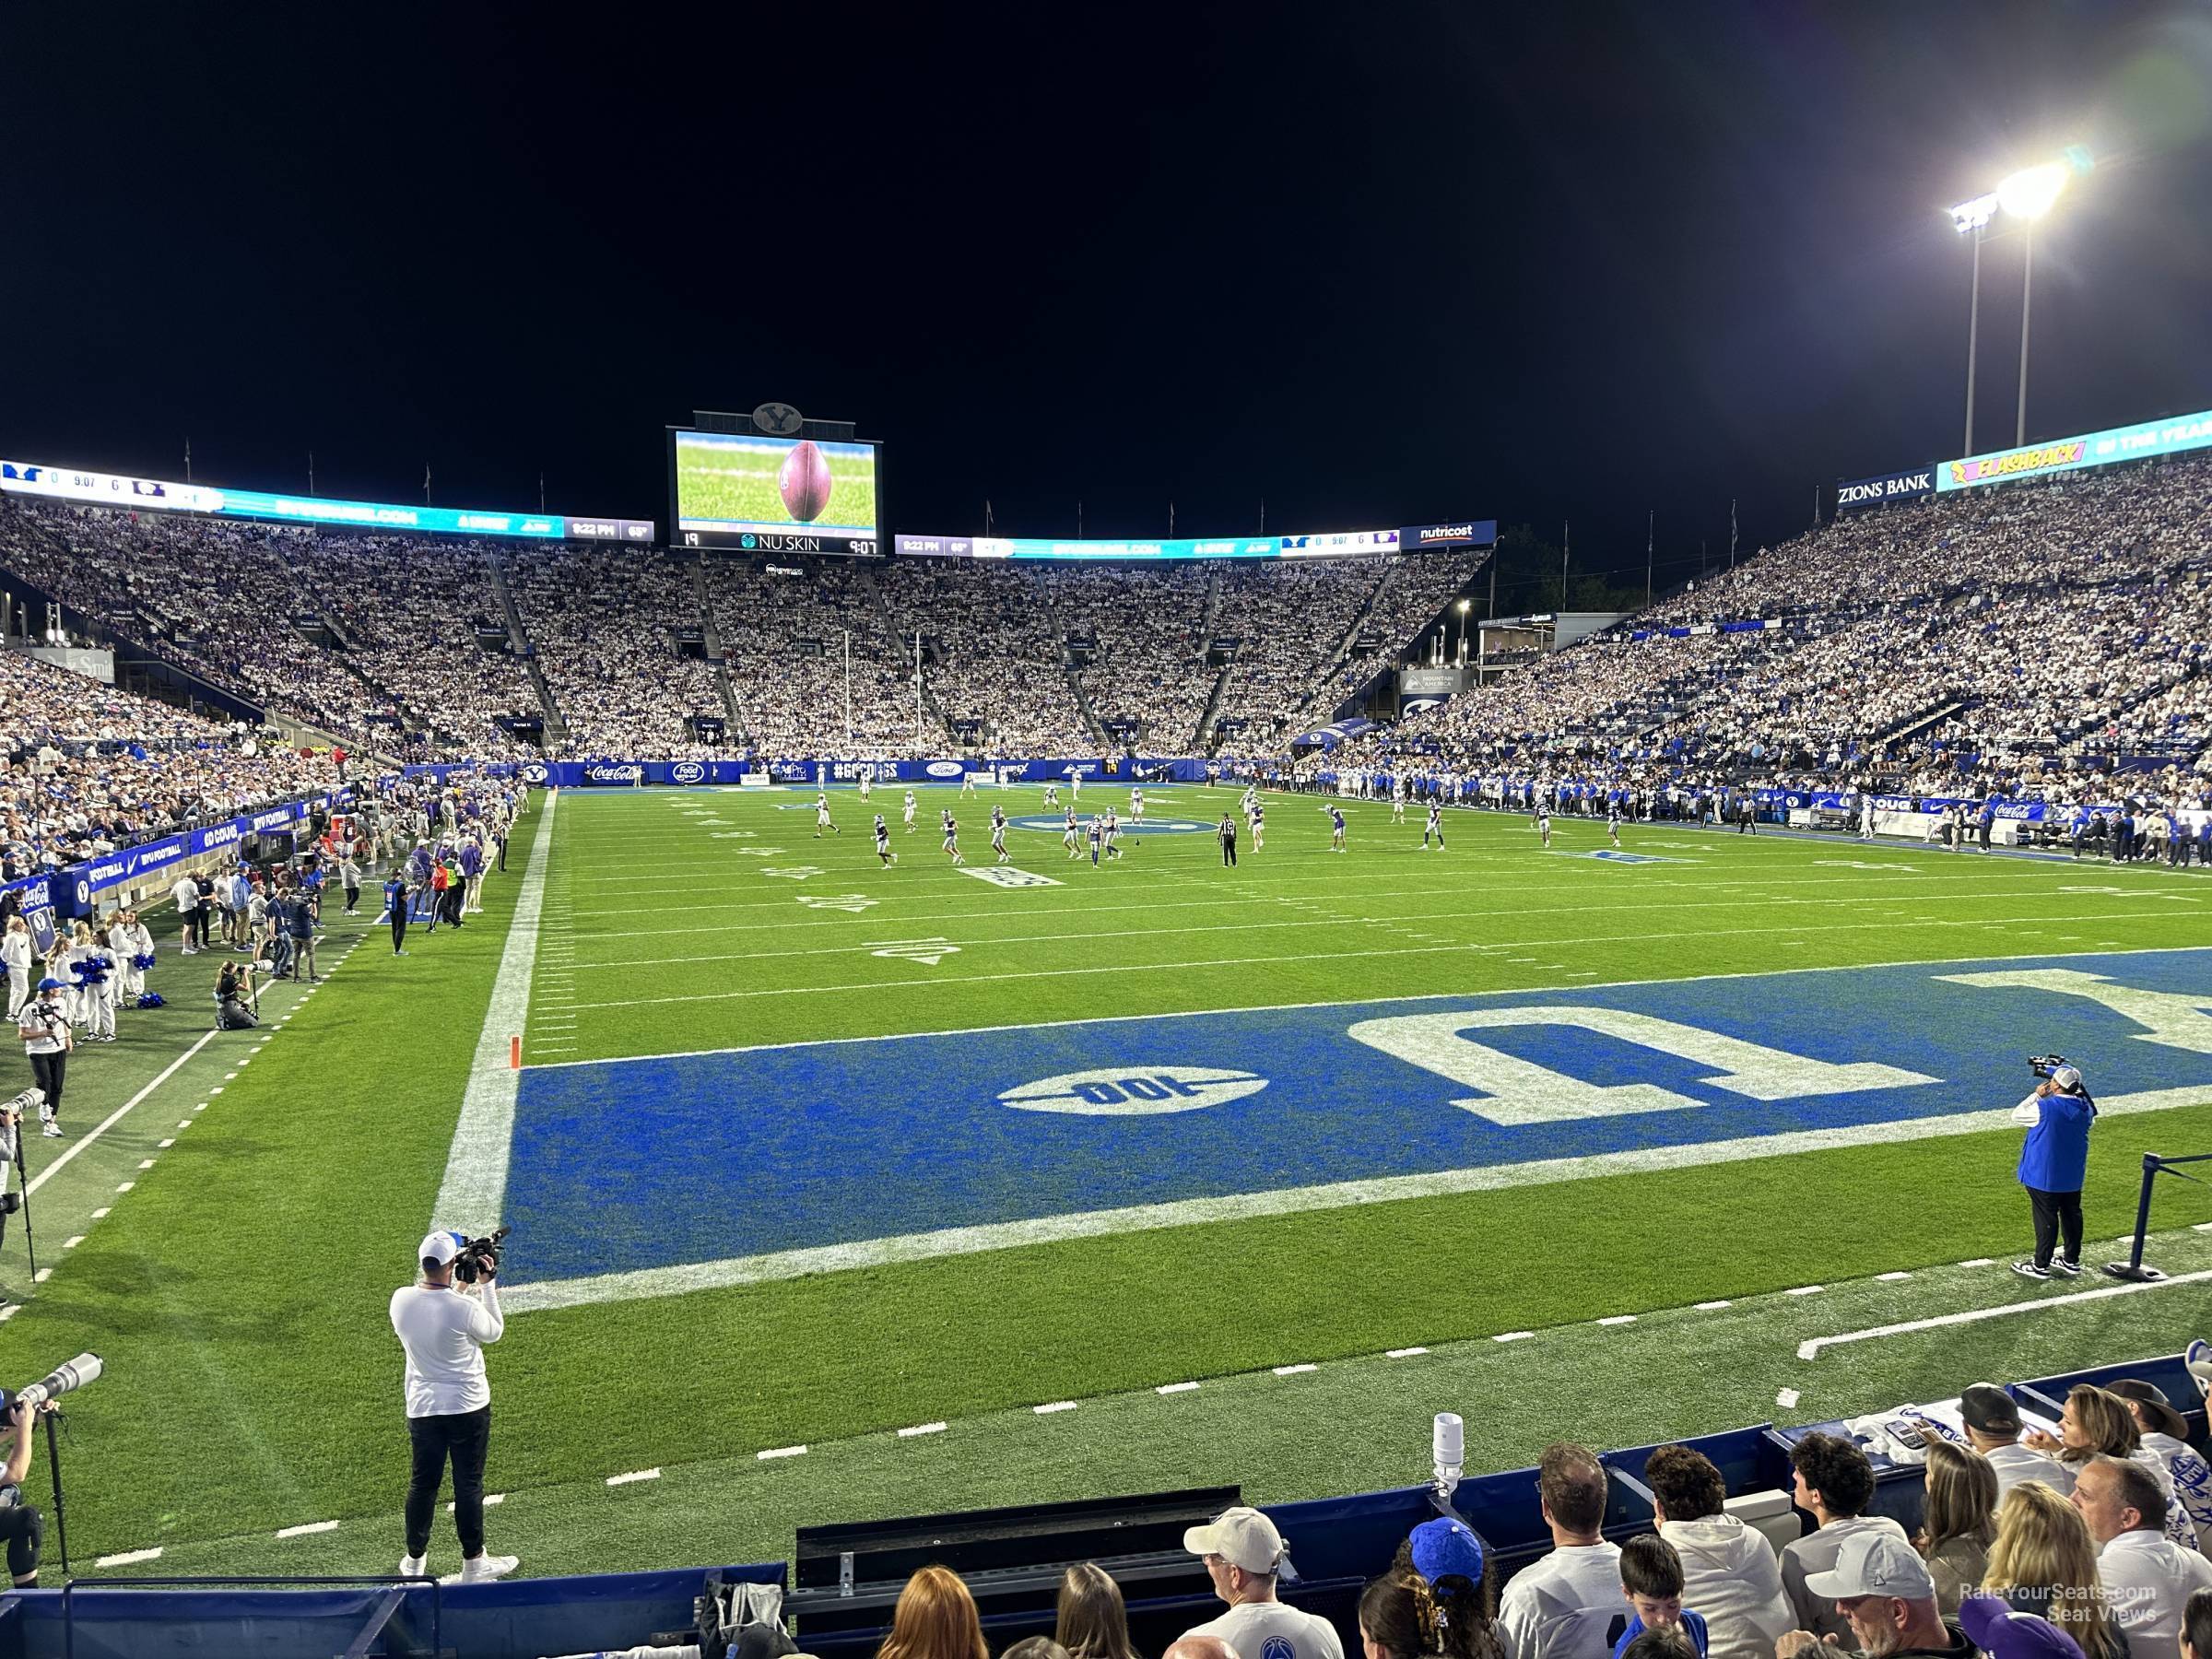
(842, 1189)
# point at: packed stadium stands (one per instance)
(1984, 639)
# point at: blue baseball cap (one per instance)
(50, 983)
(1445, 1545)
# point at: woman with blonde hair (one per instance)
(935, 1618)
(1093, 1620)
(2100, 1423)
(2044, 1562)
(1958, 1521)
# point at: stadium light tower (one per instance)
(1971, 218)
(2026, 195)
(1463, 604)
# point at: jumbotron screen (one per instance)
(772, 495)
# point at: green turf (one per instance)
(736, 486)
(239, 1290)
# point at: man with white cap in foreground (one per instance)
(1242, 1553)
(1881, 1586)
(444, 1328)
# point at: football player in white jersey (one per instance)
(1136, 806)
(1397, 802)
(952, 839)
(910, 812)
(1434, 826)
(1071, 835)
(821, 817)
(998, 835)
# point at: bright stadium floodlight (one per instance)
(2032, 193)
(2026, 195)
(1974, 215)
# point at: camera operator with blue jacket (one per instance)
(2054, 1163)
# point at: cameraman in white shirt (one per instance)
(444, 1328)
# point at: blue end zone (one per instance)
(673, 1161)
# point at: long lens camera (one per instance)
(64, 1378)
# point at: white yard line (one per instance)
(116, 1116)
(475, 1188)
(1812, 1349)
(1238, 1206)
(1318, 955)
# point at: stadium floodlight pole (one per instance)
(1971, 218)
(1566, 552)
(848, 687)
(1651, 520)
(2027, 195)
(1463, 604)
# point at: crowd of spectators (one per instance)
(91, 768)
(1947, 646)
(2072, 1544)
(805, 639)
(606, 624)
(998, 660)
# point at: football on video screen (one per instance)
(773, 495)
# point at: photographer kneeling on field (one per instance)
(22, 1526)
(444, 1328)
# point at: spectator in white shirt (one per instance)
(2166, 1437)
(1562, 1606)
(1243, 1552)
(1991, 1419)
(444, 1329)
(2148, 1576)
(1834, 1483)
(1729, 1572)
(186, 892)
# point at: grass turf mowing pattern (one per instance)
(241, 1301)
(1335, 1427)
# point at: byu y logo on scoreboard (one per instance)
(758, 1163)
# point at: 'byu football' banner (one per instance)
(752, 1164)
(148, 858)
(575, 775)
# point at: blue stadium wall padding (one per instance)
(520, 1619)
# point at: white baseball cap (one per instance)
(2066, 1076)
(439, 1247)
(1243, 1537)
(1874, 1563)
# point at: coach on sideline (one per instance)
(2054, 1164)
(445, 1331)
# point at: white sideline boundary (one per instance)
(1811, 1349)
(1190, 1212)
(476, 1170)
(116, 1116)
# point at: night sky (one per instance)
(1377, 264)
